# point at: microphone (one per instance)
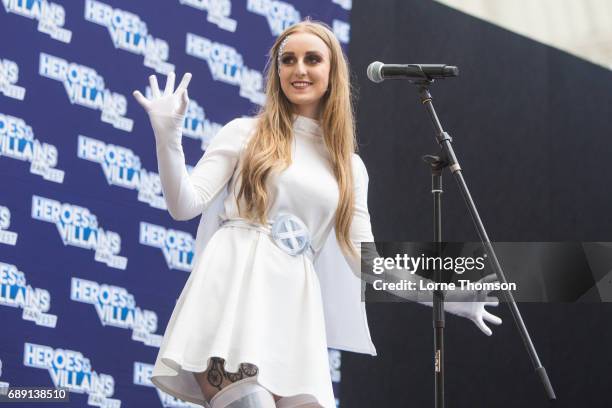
(378, 72)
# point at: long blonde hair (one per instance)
(269, 150)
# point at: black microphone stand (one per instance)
(447, 158)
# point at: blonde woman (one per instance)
(269, 292)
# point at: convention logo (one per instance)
(9, 75)
(226, 65)
(17, 142)
(15, 292)
(51, 16)
(334, 357)
(130, 33)
(342, 30)
(334, 364)
(4, 386)
(218, 12)
(345, 4)
(117, 307)
(196, 125)
(71, 370)
(6, 237)
(78, 227)
(279, 14)
(86, 88)
(177, 246)
(122, 168)
(142, 376)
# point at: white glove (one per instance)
(471, 305)
(166, 111)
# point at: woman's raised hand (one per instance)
(166, 110)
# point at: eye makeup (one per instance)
(311, 57)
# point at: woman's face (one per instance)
(304, 72)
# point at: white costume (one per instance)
(248, 301)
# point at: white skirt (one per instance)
(247, 301)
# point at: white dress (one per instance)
(248, 301)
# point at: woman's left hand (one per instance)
(471, 305)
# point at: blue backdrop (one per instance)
(91, 264)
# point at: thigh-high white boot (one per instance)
(243, 394)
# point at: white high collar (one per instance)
(306, 125)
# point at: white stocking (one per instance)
(297, 401)
(243, 394)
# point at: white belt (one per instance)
(287, 231)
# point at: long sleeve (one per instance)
(187, 195)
